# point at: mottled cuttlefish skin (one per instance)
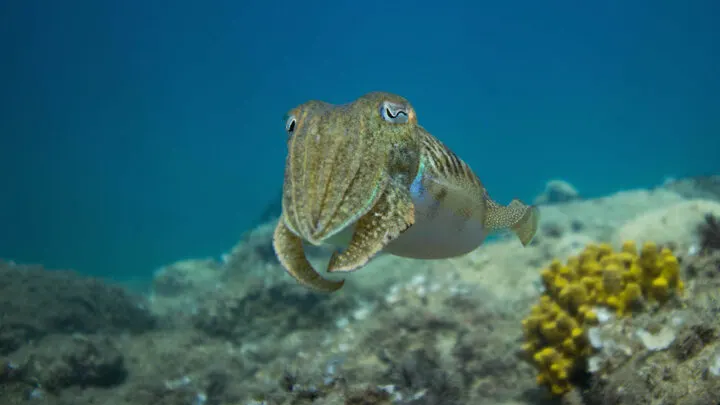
(367, 173)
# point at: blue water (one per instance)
(136, 133)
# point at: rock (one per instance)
(276, 310)
(699, 187)
(675, 225)
(569, 245)
(178, 288)
(186, 276)
(599, 218)
(557, 191)
(254, 247)
(63, 361)
(36, 302)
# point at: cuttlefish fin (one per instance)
(291, 253)
(390, 216)
(522, 219)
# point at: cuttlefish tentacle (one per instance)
(291, 253)
(390, 216)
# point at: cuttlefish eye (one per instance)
(290, 124)
(394, 113)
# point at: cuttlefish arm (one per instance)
(291, 253)
(393, 213)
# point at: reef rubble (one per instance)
(239, 331)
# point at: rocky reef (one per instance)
(239, 331)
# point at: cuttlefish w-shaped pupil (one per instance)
(391, 115)
(361, 178)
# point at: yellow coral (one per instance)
(555, 329)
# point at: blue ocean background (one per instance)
(135, 133)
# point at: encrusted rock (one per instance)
(676, 224)
(271, 311)
(36, 302)
(63, 361)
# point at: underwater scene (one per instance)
(360, 203)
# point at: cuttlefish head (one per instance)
(341, 160)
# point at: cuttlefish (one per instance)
(366, 177)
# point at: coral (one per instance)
(556, 329)
(709, 233)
